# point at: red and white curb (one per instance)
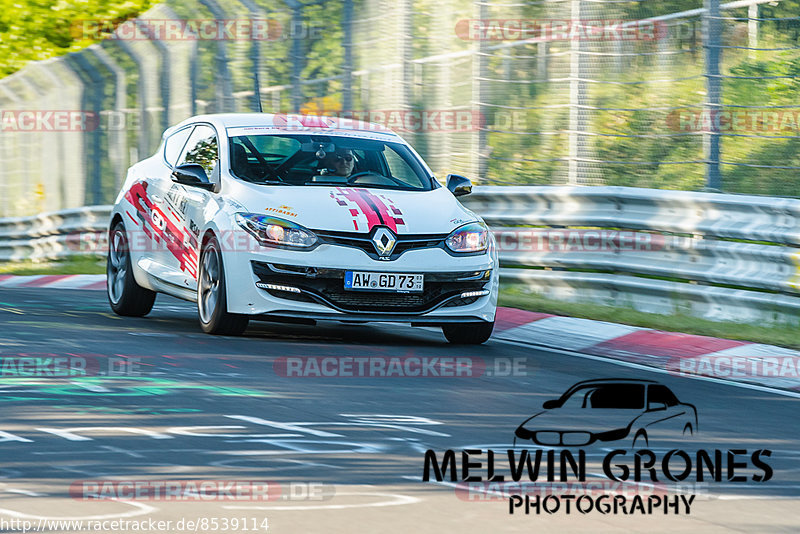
(55, 281)
(677, 353)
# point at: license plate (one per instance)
(398, 282)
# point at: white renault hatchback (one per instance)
(299, 218)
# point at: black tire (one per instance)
(468, 333)
(212, 299)
(125, 296)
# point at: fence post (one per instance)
(347, 82)
(752, 29)
(255, 52)
(712, 33)
(13, 167)
(116, 131)
(296, 55)
(93, 96)
(225, 102)
(577, 99)
(163, 72)
(479, 66)
(143, 100)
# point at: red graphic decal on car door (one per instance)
(163, 228)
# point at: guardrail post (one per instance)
(712, 31)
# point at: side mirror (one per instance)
(193, 175)
(549, 405)
(656, 406)
(459, 185)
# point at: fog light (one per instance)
(276, 287)
(481, 293)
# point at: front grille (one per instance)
(568, 438)
(374, 301)
(364, 243)
(326, 286)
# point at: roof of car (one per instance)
(288, 122)
(614, 381)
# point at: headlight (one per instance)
(472, 237)
(273, 231)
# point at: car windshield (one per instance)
(326, 160)
(608, 396)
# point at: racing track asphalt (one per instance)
(363, 438)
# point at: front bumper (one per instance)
(326, 287)
(318, 291)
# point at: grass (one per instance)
(782, 335)
(73, 265)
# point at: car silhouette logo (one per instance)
(609, 410)
(384, 241)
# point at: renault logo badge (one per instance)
(384, 241)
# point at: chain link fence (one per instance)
(671, 94)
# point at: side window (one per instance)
(660, 393)
(400, 169)
(275, 147)
(202, 148)
(174, 144)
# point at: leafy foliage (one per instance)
(39, 29)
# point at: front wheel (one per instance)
(468, 333)
(212, 300)
(125, 296)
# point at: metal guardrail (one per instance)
(721, 257)
(716, 256)
(56, 235)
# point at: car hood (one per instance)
(588, 420)
(355, 209)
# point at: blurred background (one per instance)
(666, 94)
